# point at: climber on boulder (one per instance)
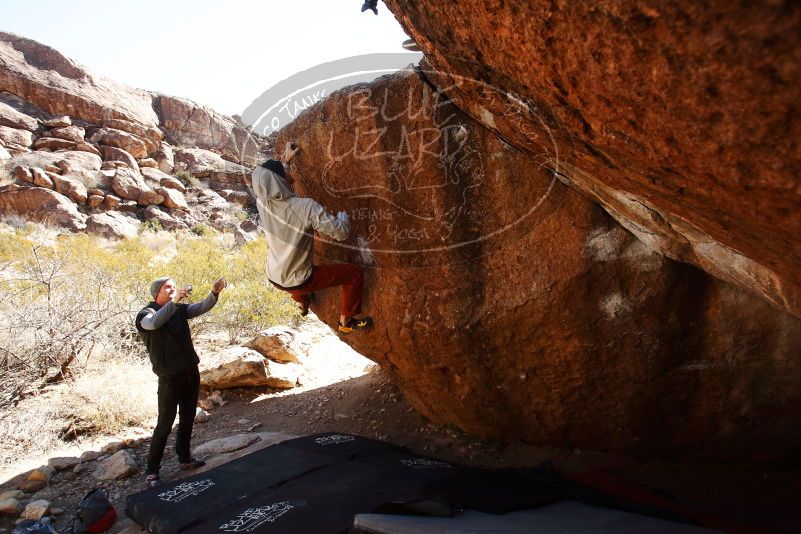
(289, 222)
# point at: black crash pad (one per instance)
(310, 484)
(319, 483)
(558, 518)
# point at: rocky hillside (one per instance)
(580, 235)
(88, 153)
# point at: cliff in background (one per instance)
(88, 153)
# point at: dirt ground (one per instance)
(341, 391)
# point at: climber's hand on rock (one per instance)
(290, 150)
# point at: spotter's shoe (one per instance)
(153, 480)
(191, 464)
(356, 324)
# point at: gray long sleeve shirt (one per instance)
(155, 320)
(290, 222)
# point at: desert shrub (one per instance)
(198, 183)
(251, 303)
(98, 402)
(237, 212)
(94, 403)
(90, 182)
(152, 225)
(67, 305)
(202, 229)
(6, 177)
(24, 430)
(13, 242)
(184, 177)
(64, 301)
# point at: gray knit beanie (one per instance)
(155, 286)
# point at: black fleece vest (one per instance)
(170, 347)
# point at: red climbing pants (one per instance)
(350, 277)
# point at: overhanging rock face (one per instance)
(680, 119)
(510, 305)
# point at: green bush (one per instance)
(67, 306)
(152, 225)
(202, 230)
(249, 304)
(69, 298)
(184, 177)
(13, 243)
(235, 211)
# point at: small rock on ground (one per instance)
(10, 506)
(201, 416)
(227, 444)
(88, 456)
(31, 486)
(63, 463)
(44, 473)
(121, 465)
(36, 509)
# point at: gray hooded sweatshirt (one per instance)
(289, 222)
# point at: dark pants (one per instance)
(350, 277)
(176, 393)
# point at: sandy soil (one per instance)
(344, 392)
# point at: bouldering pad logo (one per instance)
(186, 489)
(252, 518)
(334, 439)
(423, 463)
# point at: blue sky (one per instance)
(222, 54)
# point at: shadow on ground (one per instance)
(369, 405)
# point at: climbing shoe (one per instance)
(355, 324)
(153, 480)
(191, 464)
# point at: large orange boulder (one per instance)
(680, 119)
(42, 205)
(510, 305)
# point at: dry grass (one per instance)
(116, 394)
(90, 182)
(110, 396)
